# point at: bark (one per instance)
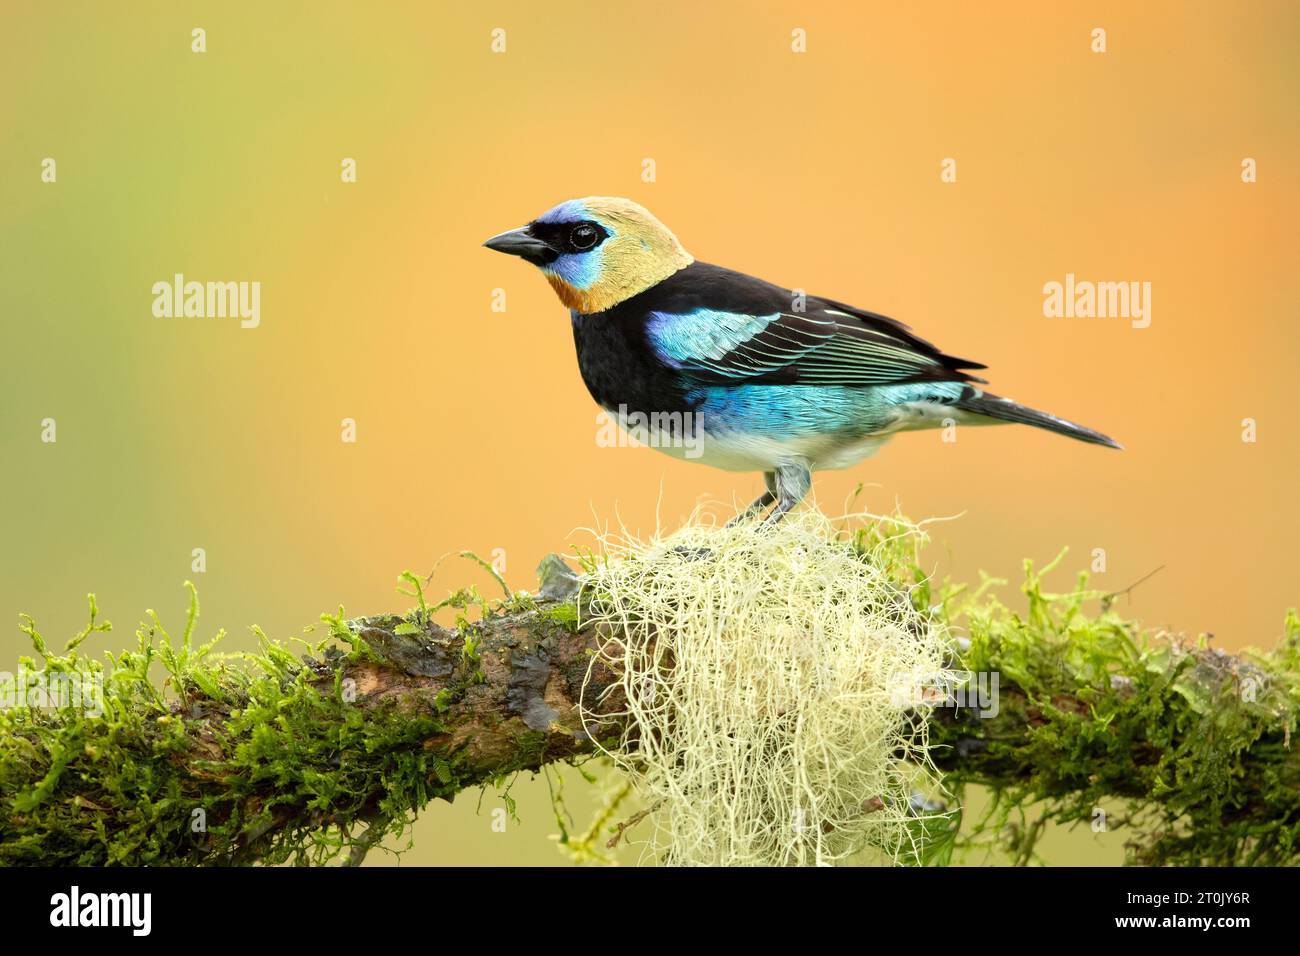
(516, 706)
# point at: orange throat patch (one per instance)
(580, 299)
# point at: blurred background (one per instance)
(819, 170)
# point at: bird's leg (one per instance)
(792, 483)
(761, 502)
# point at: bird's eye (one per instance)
(583, 236)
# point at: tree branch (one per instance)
(305, 759)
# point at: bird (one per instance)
(749, 375)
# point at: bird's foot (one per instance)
(749, 514)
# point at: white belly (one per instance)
(736, 451)
(752, 451)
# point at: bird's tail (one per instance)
(1005, 410)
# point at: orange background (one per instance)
(818, 170)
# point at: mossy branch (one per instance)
(277, 757)
(1186, 748)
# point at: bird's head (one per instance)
(596, 252)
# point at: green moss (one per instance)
(563, 615)
(226, 759)
(1185, 747)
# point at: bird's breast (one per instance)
(619, 369)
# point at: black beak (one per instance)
(518, 242)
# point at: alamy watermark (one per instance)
(625, 429)
(977, 691)
(1085, 299)
(208, 300)
(130, 910)
(53, 690)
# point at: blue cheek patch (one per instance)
(580, 270)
